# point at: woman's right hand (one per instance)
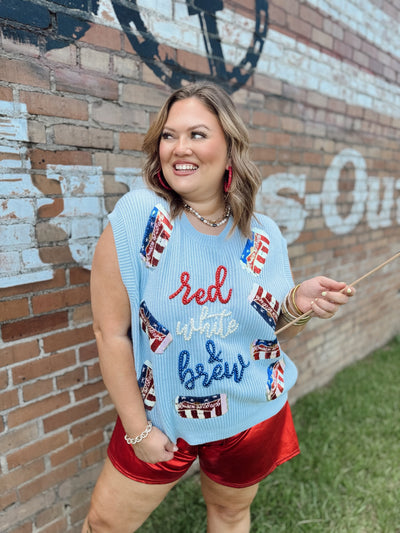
(155, 448)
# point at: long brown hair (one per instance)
(246, 178)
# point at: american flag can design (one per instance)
(146, 385)
(263, 349)
(159, 336)
(201, 407)
(255, 252)
(275, 382)
(158, 231)
(265, 304)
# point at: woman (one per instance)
(188, 288)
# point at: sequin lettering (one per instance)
(189, 375)
(203, 296)
(208, 324)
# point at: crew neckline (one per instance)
(205, 238)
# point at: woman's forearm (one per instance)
(118, 371)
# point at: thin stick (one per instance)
(308, 313)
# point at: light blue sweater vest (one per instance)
(204, 310)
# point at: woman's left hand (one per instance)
(323, 295)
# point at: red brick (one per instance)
(68, 134)
(193, 62)
(78, 275)
(7, 499)
(3, 379)
(300, 27)
(17, 438)
(24, 72)
(61, 340)
(6, 94)
(77, 447)
(265, 119)
(37, 409)
(56, 255)
(88, 352)
(289, 156)
(102, 37)
(9, 399)
(276, 15)
(16, 353)
(51, 210)
(60, 299)
(47, 233)
(130, 141)
(311, 15)
(59, 526)
(33, 326)
(289, 6)
(312, 158)
(45, 482)
(49, 515)
(12, 309)
(70, 379)
(24, 528)
(82, 315)
(41, 158)
(88, 426)
(54, 105)
(94, 371)
(19, 476)
(80, 82)
(57, 281)
(93, 457)
(278, 138)
(263, 154)
(68, 416)
(41, 387)
(292, 124)
(43, 366)
(88, 390)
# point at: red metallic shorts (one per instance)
(238, 461)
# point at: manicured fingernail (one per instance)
(349, 291)
(323, 293)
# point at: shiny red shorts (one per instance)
(238, 461)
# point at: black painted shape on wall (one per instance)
(173, 74)
(46, 24)
(58, 29)
(25, 13)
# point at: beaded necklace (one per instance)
(212, 223)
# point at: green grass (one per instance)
(347, 478)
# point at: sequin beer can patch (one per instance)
(265, 304)
(146, 385)
(275, 382)
(201, 406)
(156, 236)
(255, 252)
(263, 349)
(159, 336)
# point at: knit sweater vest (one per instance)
(203, 310)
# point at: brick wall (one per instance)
(318, 87)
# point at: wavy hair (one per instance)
(246, 178)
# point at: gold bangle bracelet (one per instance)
(289, 317)
(293, 294)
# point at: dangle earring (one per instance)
(162, 182)
(228, 182)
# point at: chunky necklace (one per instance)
(212, 223)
